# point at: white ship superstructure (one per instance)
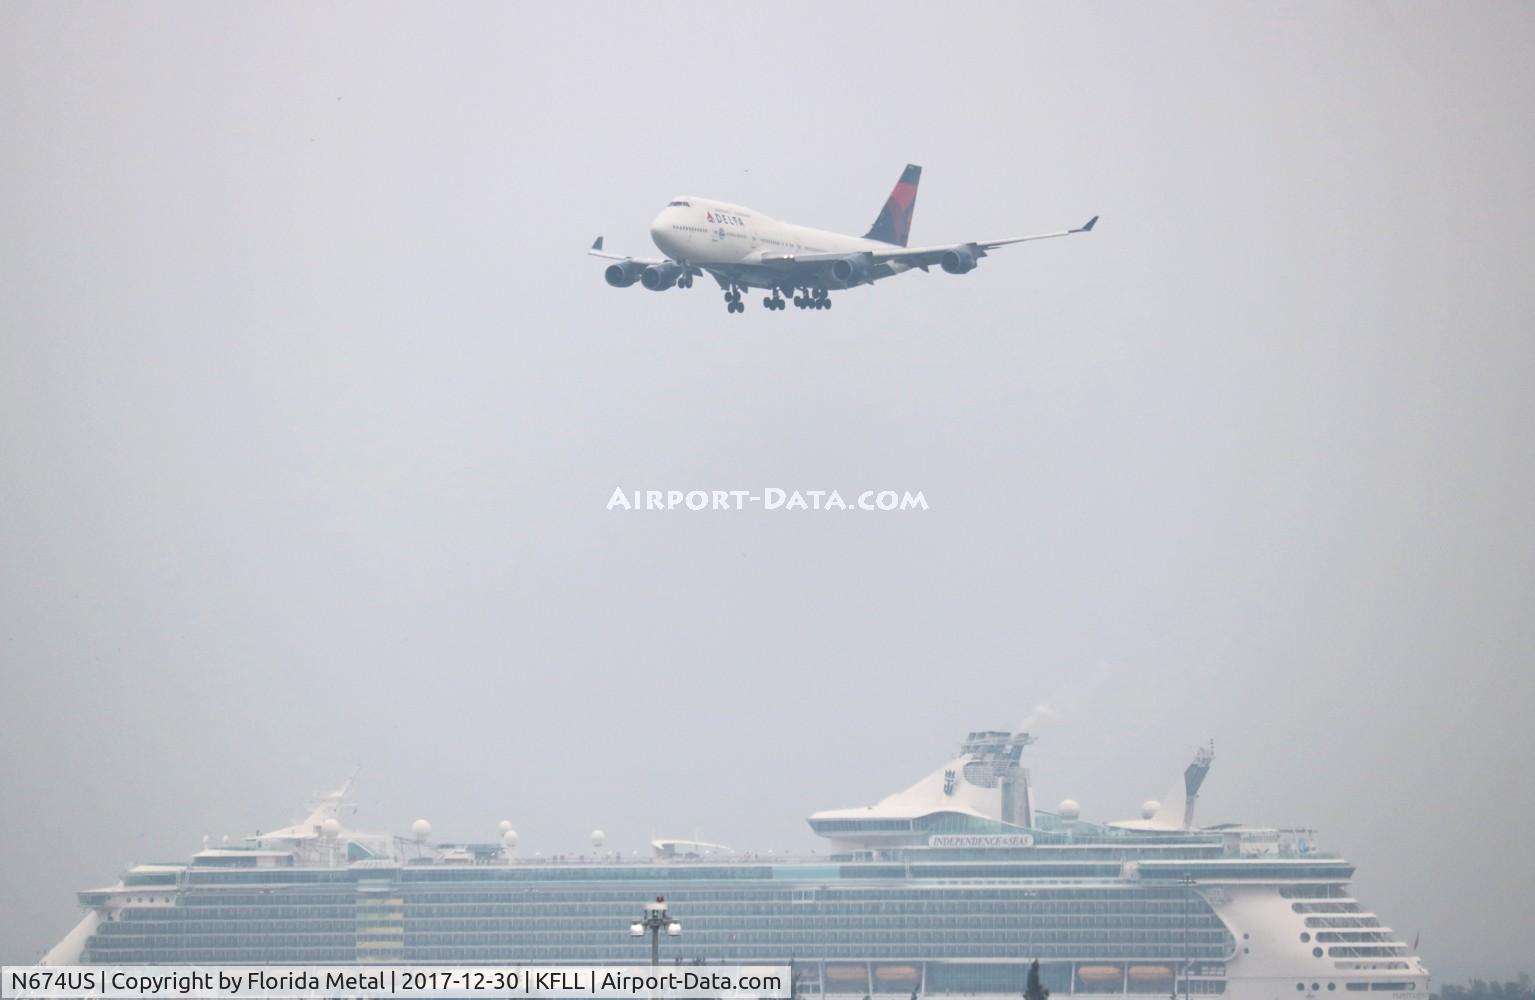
(949, 888)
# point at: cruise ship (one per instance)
(950, 888)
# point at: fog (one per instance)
(311, 406)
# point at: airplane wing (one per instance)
(597, 251)
(922, 256)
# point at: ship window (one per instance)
(1332, 986)
(1304, 937)
(1316, 952)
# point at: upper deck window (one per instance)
(678, 204)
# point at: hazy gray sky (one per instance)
(310, 405)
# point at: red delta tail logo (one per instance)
(894, 222)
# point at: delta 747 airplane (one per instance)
(744, 249)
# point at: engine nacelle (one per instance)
(957, 261)
(622, 274)
(660, 277)
(846, 273)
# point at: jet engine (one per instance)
(957, 261)
(622, 274)
(846, 273)
(660, 277)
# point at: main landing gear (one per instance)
(817, 298)
(807, 298)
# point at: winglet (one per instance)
(597, 244)
(1085, 229)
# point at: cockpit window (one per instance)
(678, 204)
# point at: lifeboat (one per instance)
(908, 974)
(1099, 974)
(1141, 974)
(846, 973)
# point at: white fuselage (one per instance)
(704, 231)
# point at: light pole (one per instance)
(654, 919)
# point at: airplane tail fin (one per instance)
(894, 222)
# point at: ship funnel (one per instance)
(995, 763)
(1193, 777)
